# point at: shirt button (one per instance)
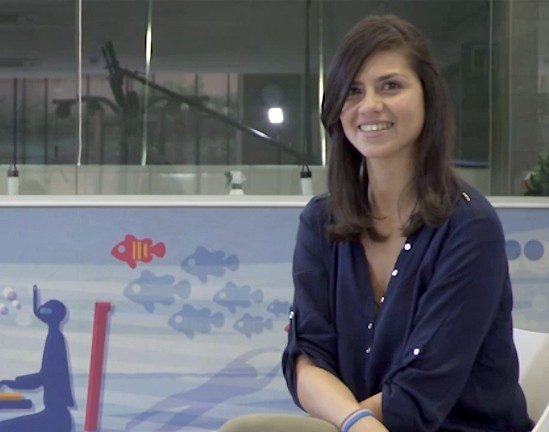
(368, 350)
(407, 246)
(416, 351)
(370, 325)
(291, 314)
(394, 272)
(382, 299)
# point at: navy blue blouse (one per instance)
(440, 347)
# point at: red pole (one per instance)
(97, 358)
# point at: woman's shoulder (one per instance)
(317, 211)
(473, 206)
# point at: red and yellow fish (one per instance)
(131, 250)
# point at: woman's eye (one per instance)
(353, 91)
(391, 85)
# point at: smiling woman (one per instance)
(401, 316)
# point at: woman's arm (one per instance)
(310, 360)
(467, 294)
(373, 403)
(324, 396)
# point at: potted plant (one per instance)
(537, 180)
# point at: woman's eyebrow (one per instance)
(389, 76)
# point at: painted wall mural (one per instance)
(168, 319)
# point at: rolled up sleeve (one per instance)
(311, 331)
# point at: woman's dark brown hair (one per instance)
(434, 183)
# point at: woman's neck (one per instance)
(391, 192)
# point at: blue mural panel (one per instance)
(199, 303)
(527, 243)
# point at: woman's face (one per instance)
(383, 114)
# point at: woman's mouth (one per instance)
(376, 127)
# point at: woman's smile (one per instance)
(375, 127)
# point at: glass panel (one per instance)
(216, 69)
(37, 69)
(528, 95)
(225, 58)
(6, 120)
(62, 104)
(180, 134)
(202, 103)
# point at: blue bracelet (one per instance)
(354, 417)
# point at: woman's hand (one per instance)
(324, 396)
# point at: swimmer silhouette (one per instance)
(53, 377)
(237, 378)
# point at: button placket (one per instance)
(407, 247)
(370, 327)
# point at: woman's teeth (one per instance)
(375, 127)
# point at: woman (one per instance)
(401, 318)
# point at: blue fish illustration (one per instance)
(248, 324)
(278, 308)
(203, 263)
(149, 290)
(232, 296)
(189, 320)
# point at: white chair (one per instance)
(533, 353)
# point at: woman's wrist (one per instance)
(354, 417)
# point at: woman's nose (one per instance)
(371, 102)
